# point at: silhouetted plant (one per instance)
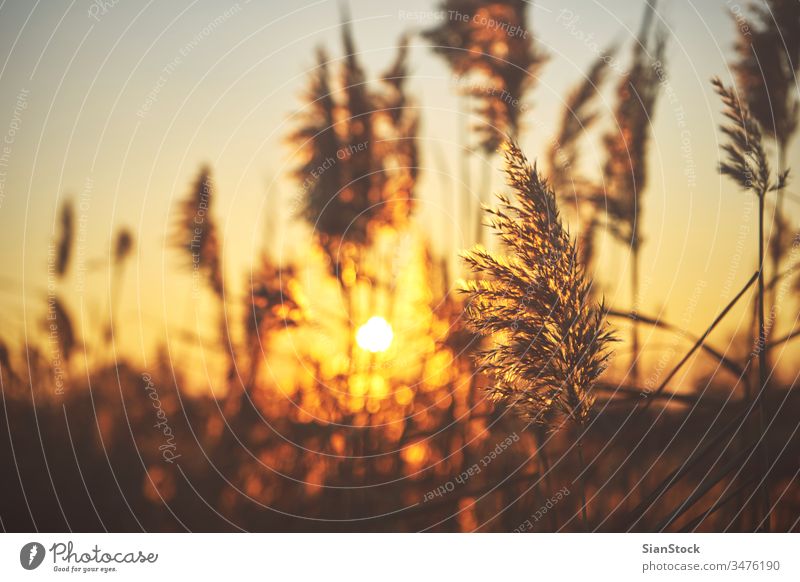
(746, 164)
(490, 45)
(550, 342)
(768, 59)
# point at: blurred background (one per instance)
(230, 238)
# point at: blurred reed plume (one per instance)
(550, 342)
(358, 148)
(123, 245)
(577, 119)
(625, 171)
(490, 49)
(60, 328)
(746, 164)
(768, 57)
(66, 235)
(274, 302)
(195, 233)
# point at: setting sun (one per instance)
(375, 336)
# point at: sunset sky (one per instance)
(117, 104)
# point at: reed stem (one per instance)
(581, 462)
(762, 366)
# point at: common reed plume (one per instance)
(359, 155)
(626, 146)
(577, 119)
(746, 164)
(274, 302)
(65, 238)
(195, 235)
(60, 328)
(194, 231)
(123, 246)
(766, 65)
(549, 339)
(489, 43)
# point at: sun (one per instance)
(375, 336)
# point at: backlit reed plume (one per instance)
(65, 238)
(746, 164)
(274, 302)
(768, 59)
(549, 338)
(359, 153)
(490, 49)
(625, 171)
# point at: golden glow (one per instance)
(375, 336)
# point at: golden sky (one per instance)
(116, 104)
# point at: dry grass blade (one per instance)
(701, 340)
(732, 463)
(637, 514)
(695, 523)
(728, 363)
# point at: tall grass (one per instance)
(549, 340)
